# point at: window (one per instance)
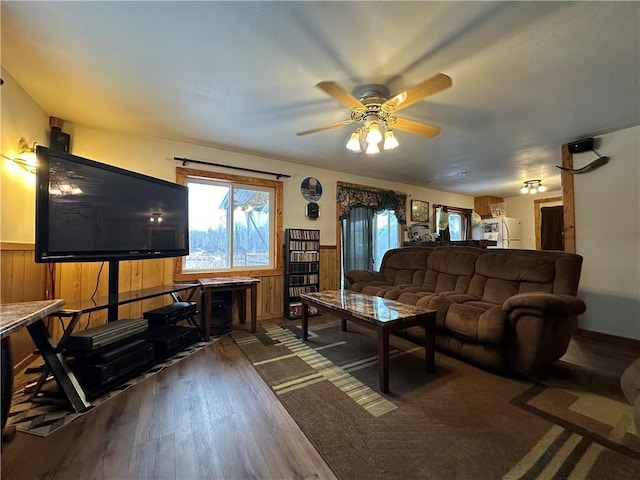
(233, 225)
(385, 235)
(452, 223)
(367, 236)
(455, 226)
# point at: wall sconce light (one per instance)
(26, 155)
(532, 187)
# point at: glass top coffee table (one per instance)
(376, 313)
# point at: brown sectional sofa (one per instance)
(502, 309)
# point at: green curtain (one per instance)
(357, 239)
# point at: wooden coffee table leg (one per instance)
(344, 324)
(430, 341)
(383, 359)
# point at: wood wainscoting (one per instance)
(24, 280)
(21, 280)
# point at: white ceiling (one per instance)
(527, 77)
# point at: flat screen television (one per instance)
(89, 211)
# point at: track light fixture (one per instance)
(532, 187)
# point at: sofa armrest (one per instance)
(354, 276)
(541, 325)
(546, 303)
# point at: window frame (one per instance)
(183, 174)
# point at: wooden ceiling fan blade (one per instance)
(415, 127)
(326, 127)
(336, 91)
(432, 85)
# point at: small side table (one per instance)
(229, 284)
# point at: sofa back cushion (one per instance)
(501, 273)
(450, 269)
(405, 266)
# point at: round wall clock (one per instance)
(311, 189)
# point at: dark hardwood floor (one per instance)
(209, 416)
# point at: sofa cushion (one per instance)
(475, 321)
(500, 274)
(450, 269)
(406, 265)
(375, 290)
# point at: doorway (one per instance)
(549, 223)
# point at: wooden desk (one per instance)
(13, 317)
(229, 284)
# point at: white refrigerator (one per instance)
(504, 230)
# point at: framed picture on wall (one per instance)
(419, 211)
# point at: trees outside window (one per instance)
(233, 226)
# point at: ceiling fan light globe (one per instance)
(373, 134)
(542, 188)
(354, 143)
(390, 141)
(533, 190)
(372, 149)
(524, 190)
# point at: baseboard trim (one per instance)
(613, 339)
(24, 363)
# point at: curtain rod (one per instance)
(188, 160)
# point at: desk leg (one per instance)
(383, 359)
(242, 306)
(305, 321)
(58, 366)
(206, 315)
(254, 307)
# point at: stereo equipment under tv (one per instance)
(172, 338)
(170, 313)
(107, 334)
(114, 366)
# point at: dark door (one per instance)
(552, 228)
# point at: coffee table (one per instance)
(376, 313)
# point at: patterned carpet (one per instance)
(460, 422)
(45, 415)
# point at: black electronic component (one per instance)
(170, 313)
(579, 146)
(107, 334)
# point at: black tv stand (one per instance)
(52, 351)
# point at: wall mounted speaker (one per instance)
(579, 146)
(58, 140)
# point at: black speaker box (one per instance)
(579, 146)
(58, 140)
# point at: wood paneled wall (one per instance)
(21, 280)
(24, 280)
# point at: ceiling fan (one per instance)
(375, 112)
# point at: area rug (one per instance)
(45, 415)
(459, 422)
